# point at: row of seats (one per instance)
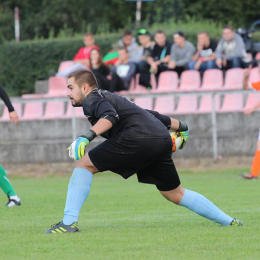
(190, 104)
(35, 111)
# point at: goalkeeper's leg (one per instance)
(200, 205)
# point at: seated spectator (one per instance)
(106, 80)
(204, 58)
(129, 42)
(124, 69)
(181, 53)
(81, 59)
(158, 60)
(231, 50)
(146, 49)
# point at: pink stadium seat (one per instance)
(146, 103)
(54, 110)
(33, 111)
(142, 89)
(234, 79)
(206, 104)
(168, 81)
(232, 103)
(187, 105)
(17, 108)
(165, 105)
(57, 88)
(64, 65)
(212, 80)
(254, 75)
(78, 111)
(252, 99)
(190, 80)
(257, 56)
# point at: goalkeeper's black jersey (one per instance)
(5, 98)
(125, 116)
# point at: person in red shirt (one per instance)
(81, 59)
(255, 168)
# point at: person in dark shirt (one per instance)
(13, 199)
(138, 142)
(106, 80)
(157, 62)
(204, 58)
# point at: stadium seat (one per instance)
(190, 80)
(252, 99)
(17, 108)
(254, 75)
(234, 79)
(257, 56)
(165, 105)
(168, 81)
(146, 103)
(187, 105)
(212, 80)
(64, 65)
(33, 111)
(142, 89)
(54, 110)
(57, 88)
(232, 103)
(78, 111)
(206, 104)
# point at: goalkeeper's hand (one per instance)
(184, 131)
(77, 148)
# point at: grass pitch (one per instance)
(123, 219)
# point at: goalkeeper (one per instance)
(13, 199)
(138, 142)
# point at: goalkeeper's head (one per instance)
(80, 84)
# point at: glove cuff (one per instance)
(90, 135)
(182, 127)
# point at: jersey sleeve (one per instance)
(5, 98)
(164, 119)
(98, 107)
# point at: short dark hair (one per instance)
(127, 32)
(179, 33)
(123, 48)
(88, 34)
(84, 76)
(203, 32)
(228, 27)
(160, 32)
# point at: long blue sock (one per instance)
(203, 207)
(78, 191)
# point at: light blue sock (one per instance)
(78, 191)
(203, 207)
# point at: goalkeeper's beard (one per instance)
(78, 103)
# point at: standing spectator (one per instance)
(181, 53)
(129, 42)
(231, 50)
(106, 80)
(81, 59)
(146, 49)
(204, 58)
(124, 68)
(160, 56)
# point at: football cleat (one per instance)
(13, 201)
(60, 228)
(236, 222)
(248, 176)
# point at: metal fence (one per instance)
(155, 95)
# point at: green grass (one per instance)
(127, 220)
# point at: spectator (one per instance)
(160, 56)
(81, 59)
(146, 49)
(124, 68)
(106, 80)
(129, 42)
(231, 50)
(204, 58)
(181, 53)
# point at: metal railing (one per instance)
(155, 95)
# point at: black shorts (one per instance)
(149, 158)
